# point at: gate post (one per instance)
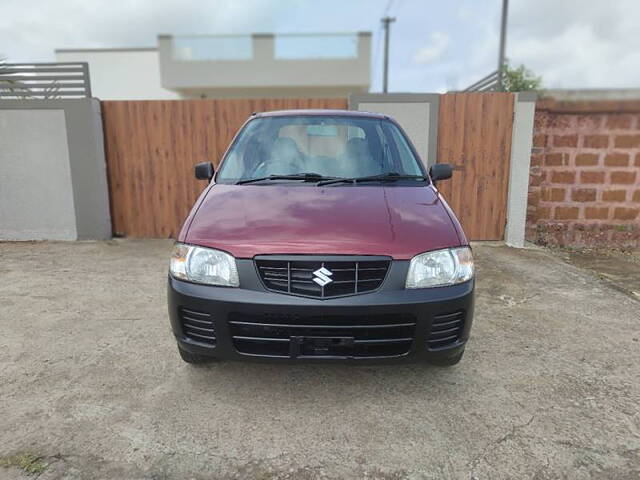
(521, 143)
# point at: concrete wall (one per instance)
(121, 74)
(273, 92)
(584, 188)
(594, 94)
(36, 196)
(52, 171)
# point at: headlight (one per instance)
(203, 265)
(439, 268)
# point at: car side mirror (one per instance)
(204, 171)
(440, 171)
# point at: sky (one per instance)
(436, 45)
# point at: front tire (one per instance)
(447, 361)
(193, 358)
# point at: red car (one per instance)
(321, 238)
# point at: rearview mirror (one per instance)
(440, 171)
(204, 171)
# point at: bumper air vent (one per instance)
(368, 336)
(446, 329)
(198, 326)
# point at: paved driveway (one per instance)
(91, 381)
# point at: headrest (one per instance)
(357, 146)
(285, 146)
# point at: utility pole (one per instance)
(503, 41)
(386, 21)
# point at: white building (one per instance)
(238, 66)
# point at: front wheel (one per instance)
(447, 361)
(193, 358)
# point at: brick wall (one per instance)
(584, 187)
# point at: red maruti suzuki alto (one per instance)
(321, 238)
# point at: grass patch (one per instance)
(27, 462)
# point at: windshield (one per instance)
(329, 146)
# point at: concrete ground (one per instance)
(620, 268)
(91, 382)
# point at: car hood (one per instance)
(249, 220)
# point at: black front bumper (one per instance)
(389, 325)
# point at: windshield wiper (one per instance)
(307, 177)
(384, 177)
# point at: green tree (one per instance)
(520, 79)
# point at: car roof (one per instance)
(335, 113)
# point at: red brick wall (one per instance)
(584, 187)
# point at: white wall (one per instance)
(265, 92)
(36, 193)
(53, 179)
(121, 74)
(154, 74)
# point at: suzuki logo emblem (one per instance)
(323, 276)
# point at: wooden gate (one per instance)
(152, 146)
(474, 134)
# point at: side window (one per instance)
(408, 161)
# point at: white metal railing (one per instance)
(212, 47)
(490, 83)
(265, 46)
(316, 46)
(44, 80)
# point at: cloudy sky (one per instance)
(436, 45)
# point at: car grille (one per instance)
(198, 326)
(372, 335)
(446, 329)
(296, 277)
